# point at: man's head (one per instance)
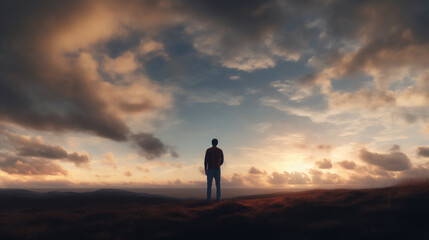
(214, 142)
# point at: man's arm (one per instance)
(205, 163)
(221, 157)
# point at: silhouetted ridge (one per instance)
(17, 193)
(19, 197)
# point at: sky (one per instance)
(129, 94)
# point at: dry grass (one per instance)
(396, 212)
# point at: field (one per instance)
(385, 213)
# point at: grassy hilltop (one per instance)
(394, 212)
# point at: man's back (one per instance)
(214, 158)
(212, 162)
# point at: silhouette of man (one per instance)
(212, 162)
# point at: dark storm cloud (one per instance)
(29, 166)
(423, 151)
(31, 147)
(150, 146)
(394, 161)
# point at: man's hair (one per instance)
(214, 142)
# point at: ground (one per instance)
(399, 212)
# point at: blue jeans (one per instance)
(213, 173)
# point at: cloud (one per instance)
(395, 148)
(325, 147)
(364, 45)
(150, 146)
(29, 166)
(109, 159)
(141, 168)
(31, 156)
(34, 147)
(347, 164)
(382, 45)
(318, 177)
(254, 35)
(394, 161)
(246, 36)
(78, 159)
(298, 178)
(324, 164)
(252, 19)
(254, 170)
(277, 178)
(423, 151)
(291, 90)
(54, 78)
(364, 98)
(123, 64)
(208, 96)
(149, 46)
(314, 176)
(368, 180)
(54, 63)
(235, 181)
(426, 129)
(255, 180)
(128, 173)
(292, 178)
(419, 172)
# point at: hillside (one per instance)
(394, 212)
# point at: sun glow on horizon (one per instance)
(130, 93)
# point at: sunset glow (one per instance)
(129, 94)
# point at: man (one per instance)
(212, 162)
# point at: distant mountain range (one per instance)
(21, 197)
